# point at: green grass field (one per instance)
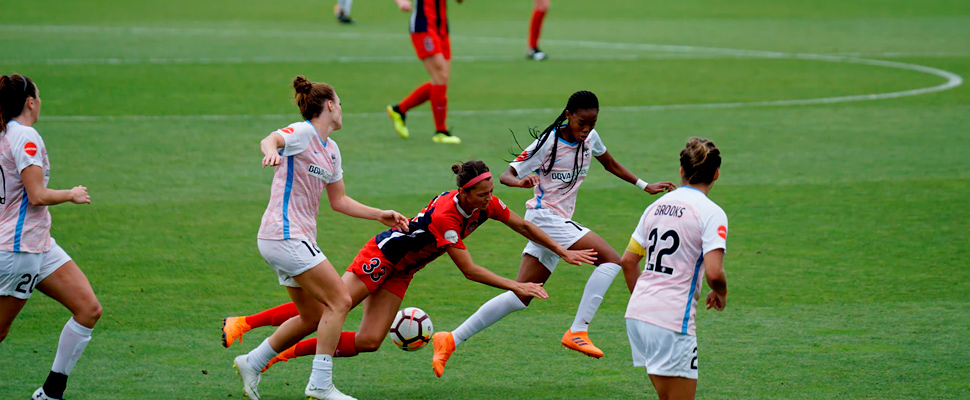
(848, 252)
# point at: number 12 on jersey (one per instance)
(657, 265)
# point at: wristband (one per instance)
(642, 184)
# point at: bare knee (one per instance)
(340, 304)
(89, 314)
(368, 344)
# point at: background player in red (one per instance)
(429, 35)
(535, 28)
(380, 274)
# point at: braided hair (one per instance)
(581, 100)
(14, 91)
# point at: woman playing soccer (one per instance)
(683, 236)
(554, 165)
(380, 274)
(307, 161)
(429, 35)
(535, 28)
(29, 257)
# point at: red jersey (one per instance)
(442, 223)
(430, 16)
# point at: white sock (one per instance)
(345, 6)
(260, 356)
(597, 285)
(74, 338)
(489, 313)
(322, 375)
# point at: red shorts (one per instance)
(427, 44)
(378, 273)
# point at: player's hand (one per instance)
(530, 289)
(394, 219)
(718, 301)
(658, 187)
(79, 195)
(272, 160)
(404, 5)
(529, 181)
(579, 257)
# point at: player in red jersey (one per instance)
(380, 274)
(535, 28)
(429, 35)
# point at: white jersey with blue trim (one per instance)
(23, 227)
(553, 191)
(676, 231)
(309, 165)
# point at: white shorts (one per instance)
(290, 257)
(561, 230)
(662, 351)
(21, 272)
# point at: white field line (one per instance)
(952, 80)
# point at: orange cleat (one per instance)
(233, 328)
(580, 342)
(285, 356)
(444, 345)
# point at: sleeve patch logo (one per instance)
(30, 148)
(722, 232)
(451, 236)
(288, 130)
(500, 202)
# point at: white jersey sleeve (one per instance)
(524, 167)
(639, 234)
(595, 143)
(338, 162)
(28, 148)
(714, 233)
(297, 137)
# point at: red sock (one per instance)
(306, 347)
(346, 347)
(275, 316)
(439, 106)
(535, 28)
(420, 95)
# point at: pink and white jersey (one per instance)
(23, 227)
(309, 164)
(553, 192)
(676, 231)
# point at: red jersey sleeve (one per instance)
(445, 226)
(498, 211)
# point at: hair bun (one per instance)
(456, 168)
(301, 84)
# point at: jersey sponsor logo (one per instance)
(319, 172)
(722, 232)
(288, 130)
(670, 211)
(567, 176)
(30, 148)
(451, 236)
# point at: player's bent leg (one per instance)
(577, 337)
(9, 309)
(674, 387)
(378, 314)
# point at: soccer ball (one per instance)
(411, 329)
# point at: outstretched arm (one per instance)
(510, 178)
(463, 259)
(403, 5)
(533, 233)
(340, 202)
(270, 145)
(621, 172)
(716, 279)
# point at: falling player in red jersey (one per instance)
(380, 274)
(429, 35)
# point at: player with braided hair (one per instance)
(554, 166)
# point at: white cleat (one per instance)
(40, 395)
(535, 54)
(330, 393)
(250, 376)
